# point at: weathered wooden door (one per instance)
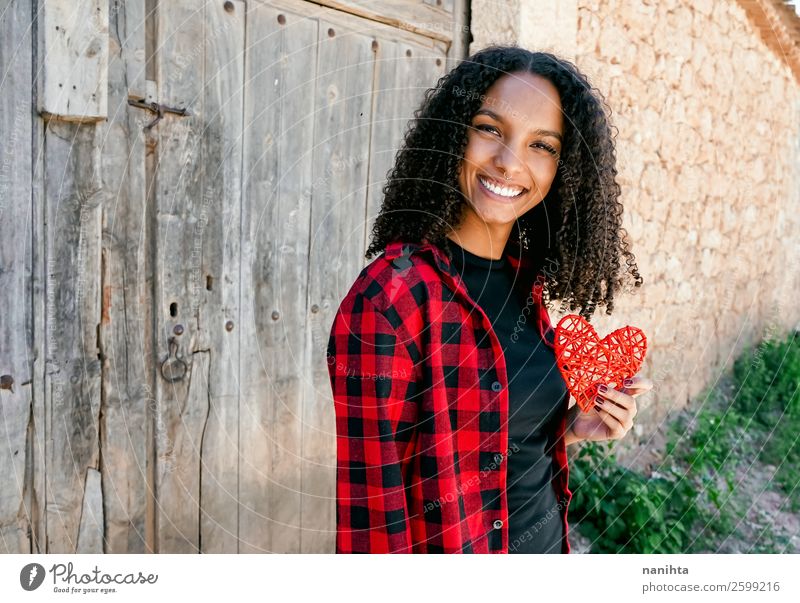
(186, 266)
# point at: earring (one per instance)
(524, 239)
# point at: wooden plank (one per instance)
(404, 71)
(128, 46)
(344, 83)
(219, 308)
(179, 457)
(430, 18)
(150, 335)
(462, 36)
(90, 533)
(125, 317)
(37, 435)
(197, 288)
(16, 326)
(278, 130)
(72, 213)
(73, 50)
(181, 406)
(370, 22)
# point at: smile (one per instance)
(506, 192)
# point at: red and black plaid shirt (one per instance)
(421, 399)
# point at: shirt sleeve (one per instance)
(374, 389)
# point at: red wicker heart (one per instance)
(586, 361)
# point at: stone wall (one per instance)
(709, 158)
(550, 25)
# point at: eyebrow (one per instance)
(538, 131)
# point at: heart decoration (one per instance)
(586, 361)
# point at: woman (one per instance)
(452, 418)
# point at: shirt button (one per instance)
(496, 386)
(498, 523)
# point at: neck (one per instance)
(484, 240)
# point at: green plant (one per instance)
(710, 443)
(767, 378)
(691, 503)
(624, 511)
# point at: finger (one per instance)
(612, 409)
(637, 384)
(623, 417)
(617, 397)
(633, 392)
(626, 403)
(615, 428)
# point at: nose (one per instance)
(507, 160)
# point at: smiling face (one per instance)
(517, 132)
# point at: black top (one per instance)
(536, 394)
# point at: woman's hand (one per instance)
(613, 413)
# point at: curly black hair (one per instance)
(423, 201)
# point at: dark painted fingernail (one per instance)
(598, 400)
(627, 382)
(602, 388)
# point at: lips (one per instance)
(494, 195)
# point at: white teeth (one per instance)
(503, 191)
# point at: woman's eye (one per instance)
(546, 147)
(485, 127)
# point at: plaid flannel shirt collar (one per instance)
(398, 253)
